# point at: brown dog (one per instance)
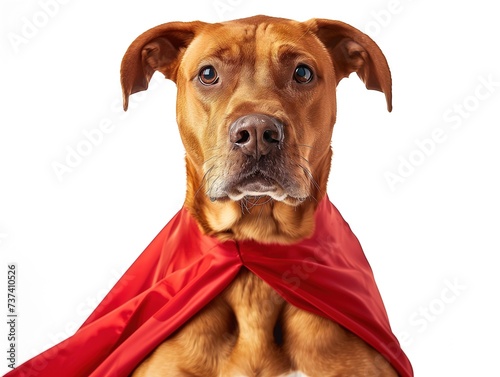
(256, 107)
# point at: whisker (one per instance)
(213, 148)
(211, 158)
(247, 204)
(209, 188)
(243, 205)
(311, 178)
(203, 179)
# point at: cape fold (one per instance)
(182, 270)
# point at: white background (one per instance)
(437, 227)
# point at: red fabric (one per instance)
(182, 270)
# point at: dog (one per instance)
(256, 107)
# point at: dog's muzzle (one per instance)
(258, 163)
(257, 138)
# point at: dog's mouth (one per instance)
(259, 185)
(256, 184)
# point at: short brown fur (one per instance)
(255, 59)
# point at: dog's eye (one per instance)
(303, 74)
(208, 75)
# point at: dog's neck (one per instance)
(254, 218)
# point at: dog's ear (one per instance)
(158, 49)
(353, 51)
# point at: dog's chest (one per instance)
(257, 310)
(249, 330)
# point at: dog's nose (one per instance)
(256, 134)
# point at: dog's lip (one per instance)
(255, 185)
(258, 184)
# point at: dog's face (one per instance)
(255, 95)
(256, 107)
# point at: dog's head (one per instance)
(256, 107)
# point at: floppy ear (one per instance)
(158, 49)
(353, 51)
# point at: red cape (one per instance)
(182, 270)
